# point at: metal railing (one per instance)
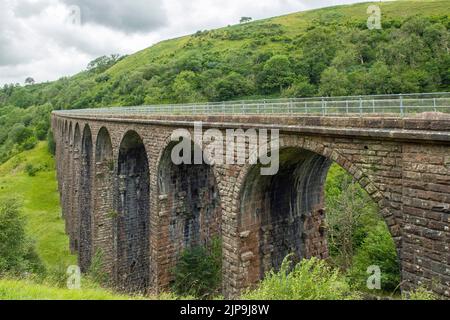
(396, 105)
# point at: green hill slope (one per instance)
(40, 201)
(328, 51)
(39, 197)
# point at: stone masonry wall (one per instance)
(407, 173)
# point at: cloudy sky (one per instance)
(48, 39)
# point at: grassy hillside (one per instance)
(40, 201)
(293, 25)
(39, 197)
(28, 290)
(327, 52)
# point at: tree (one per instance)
(380, 79)
(319, 48)
(276, 74)
(333, 83)
(300, 88)
(17, 252)
(350, 212)
(30, 81)
(19, 133)
(231, 86)
(184, 87)
(103, 63)
(245, 19)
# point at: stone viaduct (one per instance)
(122, 195)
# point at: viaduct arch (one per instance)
(139, 196)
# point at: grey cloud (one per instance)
(127, 16)
(10, 51)
(27, 8)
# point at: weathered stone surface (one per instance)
(121, 195)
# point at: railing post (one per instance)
(402, 112)
(306, 107)
(360, 106)
(346, 107)
(373, 105)
(434, 105)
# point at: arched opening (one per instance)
(283, 214)
(103, 202)
(85, 199)
(189, 203)
(67, 167)
(133, 220)
(73, 222)
(65, 132)
(70, 137)
(286, 213)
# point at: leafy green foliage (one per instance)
(378, 249)
(358, 237)
(277, 74)
(309, 280)
(96, 270)
(420, 294)
(31, 170)
(17, 251)
(321, 52)
(41, 208)
(199, 271)
(351, 214)
(103, 63)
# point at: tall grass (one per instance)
(309, 280)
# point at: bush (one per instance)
(19, 133)
(31, 170)
(421, 294)
(17, 252)
(199, 271)
(377, 249)
(30, 143)
(351, 214)
(96, 270)
(309, 280)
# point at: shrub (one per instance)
(198, 272)
(309, 280)
(351, 214)
(96, 270)
(421, 294)
(31, 170)
(17, 252)
(377, 249)
(19, 133)
(29, 143)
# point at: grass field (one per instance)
(29, 290)
(41, 208)
(40, 200)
